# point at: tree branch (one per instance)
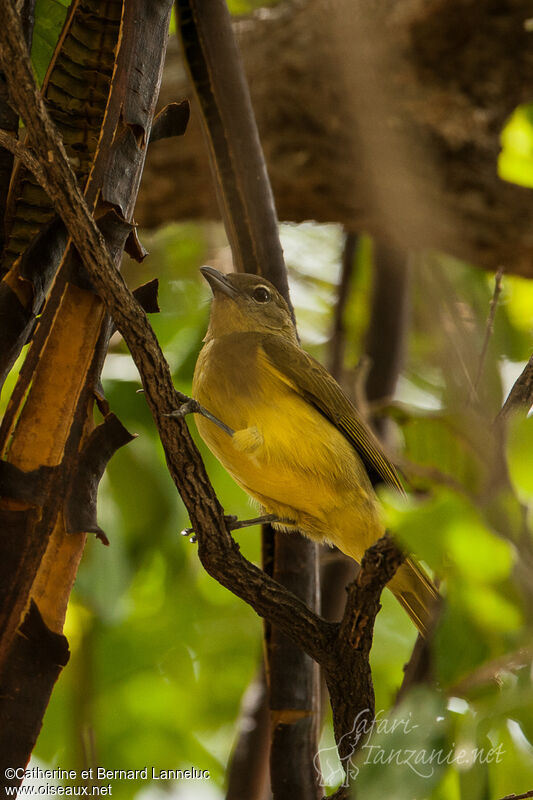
(46, 421)
(336, 342)
(245, 197)
(518, 796)
(9, 119)
(217, 549)
(327, 643)
(348, 664)
(19, 150)
(386, 333)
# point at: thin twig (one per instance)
(487, 673)
(434, 475)
(489, 328)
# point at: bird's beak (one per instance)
(218, 282)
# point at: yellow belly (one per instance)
(290, 459)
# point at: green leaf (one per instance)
(515, 163)
(49, 18)
(455, 446)
(520, 448)
(406, 755)
(459, 646)
(512, 772)
(475, 551)
(491, 610)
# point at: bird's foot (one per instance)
(190, 533)
(192, 406)
(235, 524)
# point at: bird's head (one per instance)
(244, 303)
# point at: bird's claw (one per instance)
(189, 406)
(190, 533)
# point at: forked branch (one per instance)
(219, 554)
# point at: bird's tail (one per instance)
(416, 592)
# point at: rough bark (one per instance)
(50, 411)
(454, 70)
(343, 648)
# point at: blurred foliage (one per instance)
(161, 654)
(239, 7)
(515, 163)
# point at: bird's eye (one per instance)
(261, 294)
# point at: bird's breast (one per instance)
(283, 447)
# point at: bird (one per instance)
(290, 437)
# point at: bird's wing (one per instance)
(309, 378)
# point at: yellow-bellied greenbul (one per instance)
(299, 446)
